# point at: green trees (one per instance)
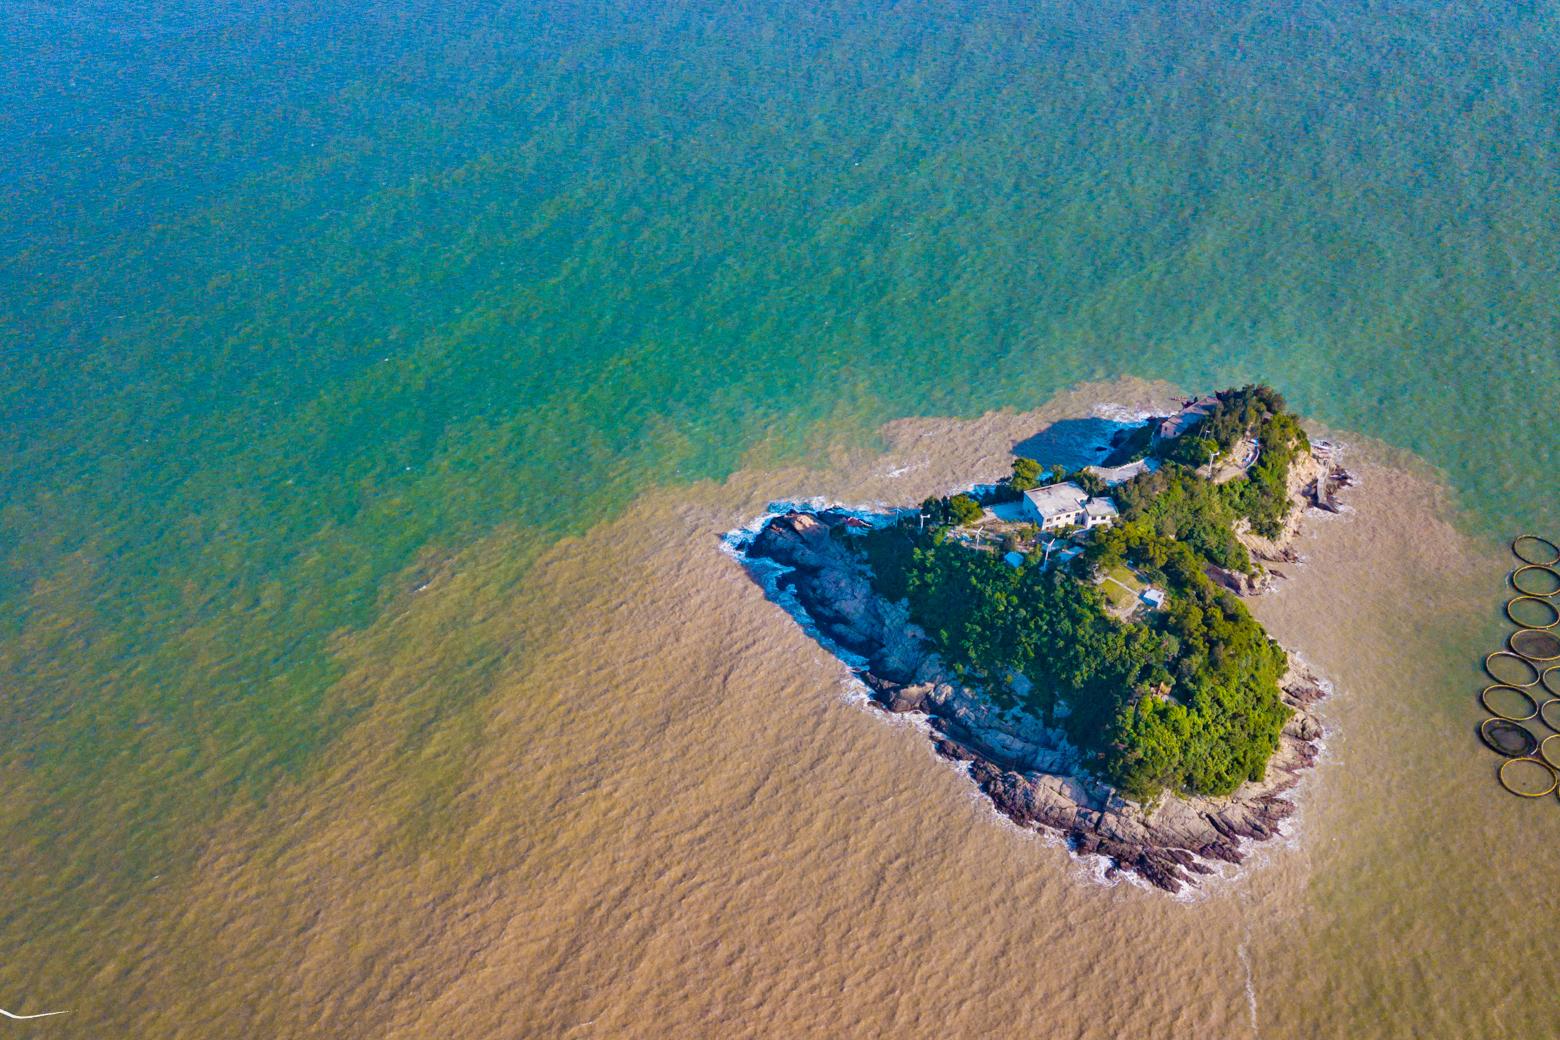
(964, 510)
(958, 511)
(1188, 701)
(1218, 721)
(1092, 483)
(1191, 449)
(1262, 495)
(1026, 475)
(1185, 698)
(1178, 504)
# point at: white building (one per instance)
(1056, 505)
(1099, 511)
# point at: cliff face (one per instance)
(1031, 772)
(1314, 481)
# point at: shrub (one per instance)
(964, 510)
(1026, 475)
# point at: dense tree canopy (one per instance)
(964, 510)
(1185, 698)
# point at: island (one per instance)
(1078, 638)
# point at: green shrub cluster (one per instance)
(1259, 411)
(1176, 503)
(1262, 495)
(957, 511)
(1026, 475)
(1218, 722)
(1187, 700)
(964, 510)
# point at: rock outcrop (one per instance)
(1314, 481)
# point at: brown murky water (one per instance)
(663, 814)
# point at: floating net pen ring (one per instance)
(1549, 713)
(1545, 602)
(1549, 750)
(1530, 548)
(1528, 765)
(1499, 657)
(1539, 645)
(1551, 680)
(1484, 699)
(1547, 579)
(1507, 738)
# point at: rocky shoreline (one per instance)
(1031, 772)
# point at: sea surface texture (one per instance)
(376, 380)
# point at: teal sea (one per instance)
(300, 301)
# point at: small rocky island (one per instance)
(1079, 639)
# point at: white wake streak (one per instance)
(23, 1018)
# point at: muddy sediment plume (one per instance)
(654, 806)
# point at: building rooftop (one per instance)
(1057, 498)
(1099, 507)
(1191, 412)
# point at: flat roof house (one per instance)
(1191, 413)
(1100, 511)
(1056, 505)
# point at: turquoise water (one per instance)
(295, 298)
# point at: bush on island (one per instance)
(1026, 475)
(1092, 483)
(964, 510)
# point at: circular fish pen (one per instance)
(1527, 777)
(1549, 714)
(1535, 579)
(1530, 548)
(1533, 612)
(1526, 675)
(1535, 644)
(1509, 739)
(1549, 750)
(1509, 703)
(1509, 669)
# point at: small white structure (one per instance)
(1058, 505)
(1120, 474)
(1155, 598)
(1099, 511)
